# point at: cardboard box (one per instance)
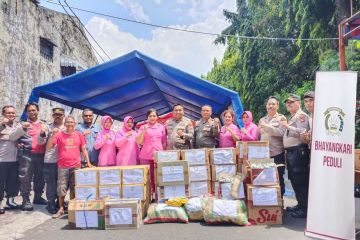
(109, 176)
(86, 177)
(138, 174)
(265, 215)
(225, 191)
(263, 172)
(199, 188)
(123, 214)
(86, 192)
(220, 156)
(84, 214)
(217, 169)
(200, 173)
(167, 156)
(172, 173)
(357, 159)
(110, 191)
(167, 192)
(135, 191)
(257, 150)
(263, 196)
(195, 156)
(240, 151)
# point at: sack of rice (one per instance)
(160, 212)
(195, 207)
(219, 211)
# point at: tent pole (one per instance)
(71, 111)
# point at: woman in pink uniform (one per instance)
(152, 137)
(250, 131)
(128, 149)
(105, 142)
(229, 133)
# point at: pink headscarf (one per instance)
(125, 126)
(103, 120)
(249, 114)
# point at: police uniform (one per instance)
(50, 165)
(273, 133)
(173, 140)
(205, 134)
(298, 159)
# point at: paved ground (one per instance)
(38, 225)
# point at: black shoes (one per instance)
(51, 207)
(293, 208)
(26, 204)
(39, 200)
(11, 204)
(300, 213)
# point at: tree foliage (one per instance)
(258, 68)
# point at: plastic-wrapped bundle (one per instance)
(160, 212)
(219, 211)
(195, 207)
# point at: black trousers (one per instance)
(30, 169)
(280, 159)
(9, 179)
(50, 178)
(297, 162)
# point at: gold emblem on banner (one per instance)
(334, 121)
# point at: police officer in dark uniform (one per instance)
(297, 154)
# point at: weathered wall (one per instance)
(22, 67)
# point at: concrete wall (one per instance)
(22, 67)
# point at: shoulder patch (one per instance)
(302, 117)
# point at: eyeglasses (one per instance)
(87, 115)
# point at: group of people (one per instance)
(33, 151)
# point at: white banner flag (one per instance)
(331, 205)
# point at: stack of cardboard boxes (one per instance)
(106, 197)
(263, 190)
(199, 168)
(223, 160)
(172, 179)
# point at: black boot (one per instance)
(51, 207)
(39, 200)
(26, 204)
(11, 204)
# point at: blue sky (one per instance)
(193, 53)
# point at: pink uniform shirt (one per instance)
(225, 138)
(69, 145)
(154, 140)
(128, 149)
(105, 142)
(252, 129)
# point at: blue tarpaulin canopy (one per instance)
(134, 83)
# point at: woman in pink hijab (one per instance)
(250, 131)
(229, 133)
(128, 149)
(105, 142)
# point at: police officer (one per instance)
(179, 130)
(51, 158)
(30, 156)
(206, 129)
(297, 154)
(309, 98)
(271, 131)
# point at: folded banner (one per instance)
(331, 207)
